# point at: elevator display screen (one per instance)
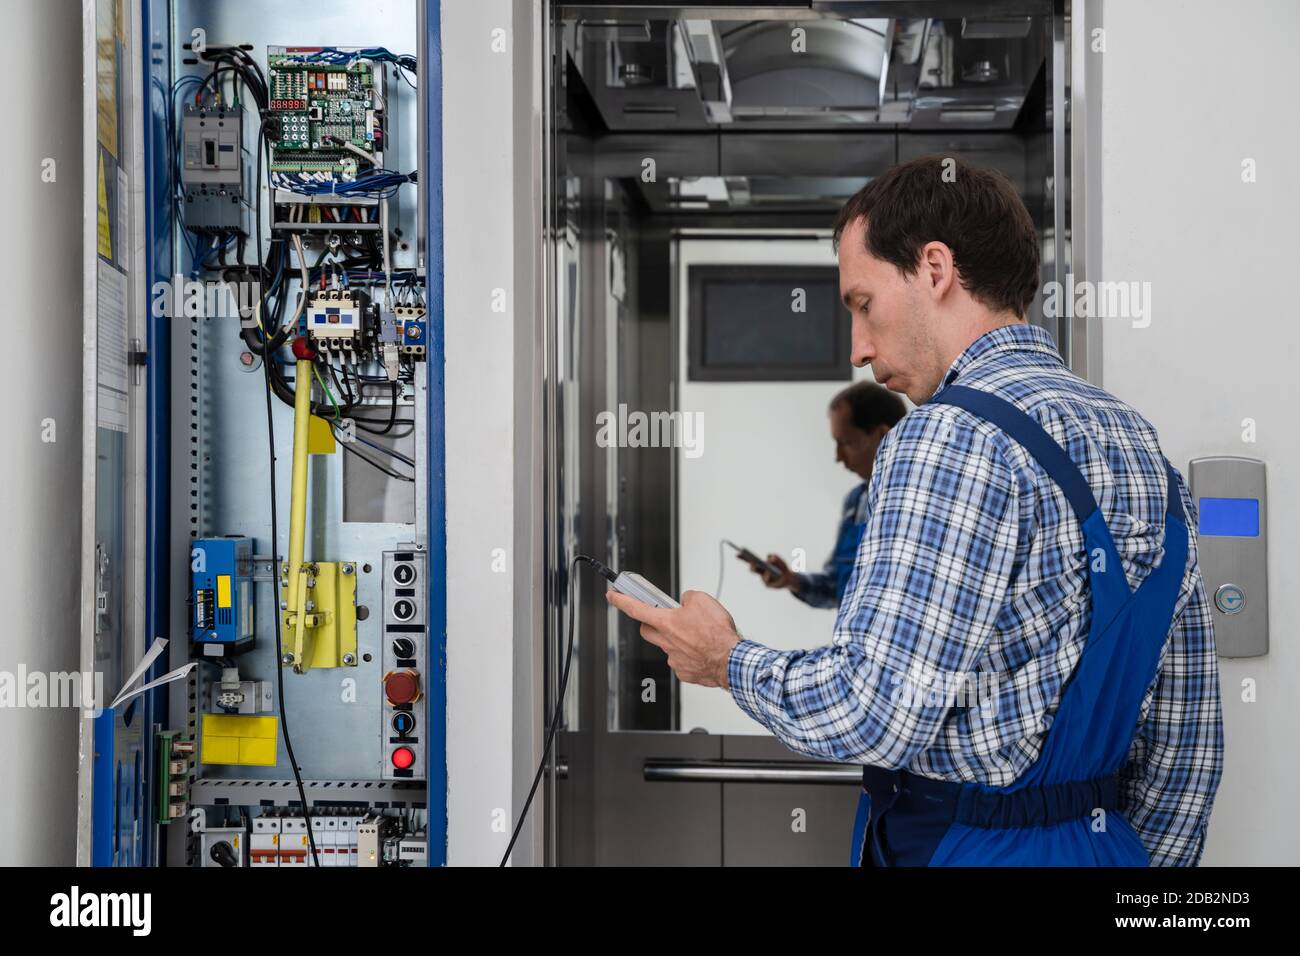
(767, 323)
(1229, 517)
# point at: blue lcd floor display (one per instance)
(1229, 517)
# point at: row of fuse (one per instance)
(341, 840)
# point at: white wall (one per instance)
(479, 257)
(767, 479)
(40, 508)
(1190, 90)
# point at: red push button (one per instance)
(402, 687)
(403, 758)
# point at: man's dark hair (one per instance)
(870, 405)
(975, 212)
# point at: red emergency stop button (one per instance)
(402, 687)
(403, 758)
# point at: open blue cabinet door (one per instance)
(430, 62)
(113, 816)
(159, 186)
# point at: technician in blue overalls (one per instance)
(1023, 662)
(860, 417)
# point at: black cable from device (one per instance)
(408, 422)
(216, 72)
(267, 361)
(559, 697)
(363, 424)
(392, 414)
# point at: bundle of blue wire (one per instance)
(351, 276)
(333, 55)
(173, 136)
(380, 182)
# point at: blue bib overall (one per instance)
(1064, 810)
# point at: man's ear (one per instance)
(938, 270)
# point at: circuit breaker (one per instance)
(214, 170)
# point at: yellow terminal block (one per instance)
(238, 739)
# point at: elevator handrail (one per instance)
(749, 771)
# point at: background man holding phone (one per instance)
(860, 415)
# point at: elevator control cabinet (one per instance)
(294, 441)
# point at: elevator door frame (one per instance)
(601, 775)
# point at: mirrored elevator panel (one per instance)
(697, 157)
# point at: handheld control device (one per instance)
(633, 585)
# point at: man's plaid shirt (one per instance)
(972, 568)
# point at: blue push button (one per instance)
(1229, 598)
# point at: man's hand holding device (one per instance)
(697, 636)
(774, 571)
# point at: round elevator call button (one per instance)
(1229, 598)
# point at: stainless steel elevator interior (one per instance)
(675, 133)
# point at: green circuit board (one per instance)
(319, 106)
